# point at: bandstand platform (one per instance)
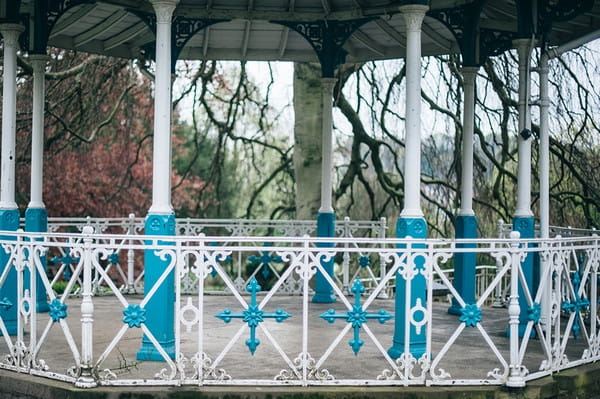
(469, 359)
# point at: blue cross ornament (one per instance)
(357, 316)
(265, 260)
(67, 260)
(578, 305)
(253, 315)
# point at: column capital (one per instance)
(38, 61)
(523, 46)
(329, 83)
(10, 33)
(469, 71)
(413, 15)
(164, 9)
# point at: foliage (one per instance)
(232, 156)
(98, 139)
(370, 99)
(234, 140)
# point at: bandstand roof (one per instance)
(244, 29)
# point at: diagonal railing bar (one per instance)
(54, 299)
(567, 260)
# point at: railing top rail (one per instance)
(306, 240)
(505, 228)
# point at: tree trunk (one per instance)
(308, 109)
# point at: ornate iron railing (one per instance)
(129, 273)
(92, 340)
(504, 230)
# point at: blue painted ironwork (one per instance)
(470, 315)
(57, 310)
(36, 220)
(265, 261)
(534, 313)
(327, 39)
(463, 22)
(357, 316)
(182, 30)
(253, 315)
(113, 258)
(134, 316)
(525, 226)
(9, 221)
(577, 305)
(324, 290)
(5, 303)
(464, 263)
(415, 228)
(160, 312)
(66, 260)
(364, 261)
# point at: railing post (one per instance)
(382, 266)
(516, 373)
(499, 301)
(594, 292)
(130, 288)
(86, 379)
(346, 258)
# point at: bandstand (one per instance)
(333, 308)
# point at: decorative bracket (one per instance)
(182, 30)
(493, 42)
(561, 10)
(463, 22)
(327, 39)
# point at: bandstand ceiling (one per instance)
(242, 29)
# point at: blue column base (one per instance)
(464, 263)
(526, 227)
(149, 353)
(160, 310)
(323, 290)
(415, 228)
(9, 221)
(36, 221)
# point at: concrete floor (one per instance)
(470, 358)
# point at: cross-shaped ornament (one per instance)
(265, 260)
(357, 316)
(253, 315)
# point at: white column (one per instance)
(10, 34)
(413, 15)
(466, 200)
(523, 47)
(327, 85)
(544, 149)
(38, 62)
(161, 171)
(544, 171)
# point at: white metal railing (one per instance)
(302, 349)
(484, 275)
(504, 230)
(128, 270)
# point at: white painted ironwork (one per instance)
(504, 230)
(126, 264)
(287, 338)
